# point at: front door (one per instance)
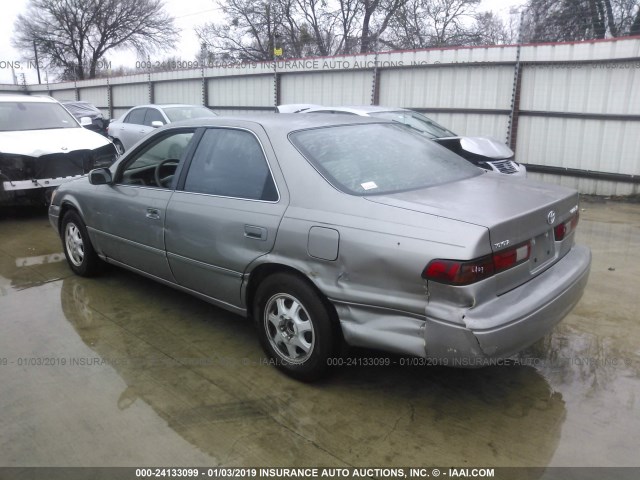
(128, 217)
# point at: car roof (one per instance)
(27, 98)
(358, 109)
(283, 122)
(168, 105)
(297, 107)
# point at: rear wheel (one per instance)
(295, 326)
(78, 249)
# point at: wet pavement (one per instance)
(119, 370)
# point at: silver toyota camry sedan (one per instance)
(328, 230)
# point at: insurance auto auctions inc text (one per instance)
(374, 472)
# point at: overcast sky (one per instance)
(188, 14)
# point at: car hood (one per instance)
(35, 143)
(487, 147)
(513, 209)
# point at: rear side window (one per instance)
(136, 116)
(230, 163)
(379, 158)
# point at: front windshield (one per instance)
(417, 121)
(176, 114)
(21, 116)
(367, 159)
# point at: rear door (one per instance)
(129, 130)
(225, 212)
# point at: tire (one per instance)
(77, 246)
(119, 146)
(298, 341)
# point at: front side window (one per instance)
(21, 116)
(153, 115)
(369, 159)
(156, 163)
(230, 163)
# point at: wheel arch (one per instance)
(264, 270)
(65, 206)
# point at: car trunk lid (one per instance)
(514, 211)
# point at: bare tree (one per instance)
(634, 29)
(436, 23)
(319, 21)
(347, 17)
(572, 20)
(376, 16)
(490, 29)
(75, 35)
(247, 35)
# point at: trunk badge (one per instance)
(551, 217)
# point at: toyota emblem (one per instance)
(551, 217)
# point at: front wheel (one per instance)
(295, 326)
(78, 249)
(119, 146)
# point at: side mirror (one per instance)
(85, 121)
(156, 124)
(100, 176)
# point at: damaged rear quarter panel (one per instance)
(380, 257)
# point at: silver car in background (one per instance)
(332, 229)
(139, 121)
(485, 152)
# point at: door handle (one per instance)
(153, 213)
(255, 233)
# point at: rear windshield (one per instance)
(379, 158)
(417, 121)
(15, 116)
(176, 114)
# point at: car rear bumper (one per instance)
(518, 318)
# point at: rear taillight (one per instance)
(456, 272)
(507, 259)
(561, 230)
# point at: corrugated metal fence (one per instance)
(571, 111)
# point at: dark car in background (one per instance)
(42, 146)
(80, 109)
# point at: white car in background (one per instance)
(485, 152)
(143, 119)
(42, 146)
